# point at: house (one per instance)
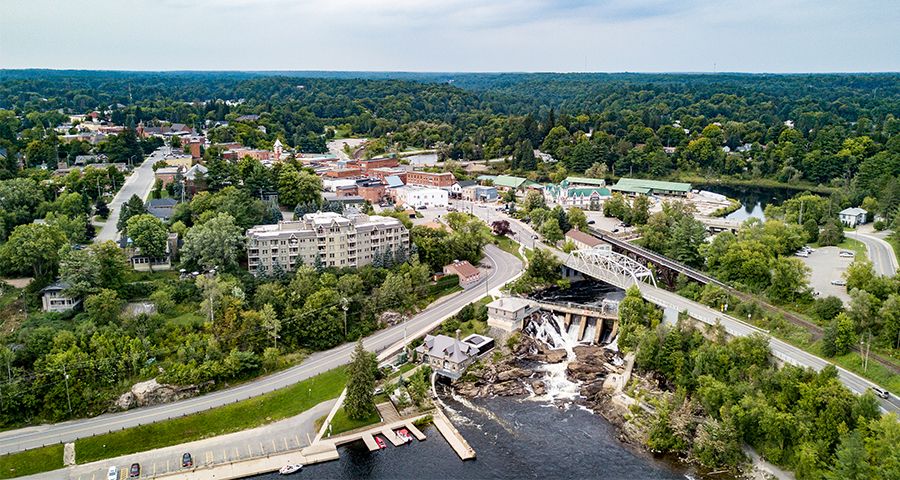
(54, 300)
(195, 179)
(429, 179)
(178, 160)
(456, 188)
(448, 356)
(651, 187)
(582, 240)
(586, 182)
(467, 273)
(509, 313)
(168, 174)
(142, 263)
(852, 217)
(161, 208)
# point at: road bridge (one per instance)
(613, 271)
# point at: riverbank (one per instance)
(698, 181)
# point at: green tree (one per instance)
(216, 243)
(79, 270)
(832, 234)
(148, 235)
(577, 219)
(789, 279)
(850, 460)
(270, 322)
(360, 402)
(840, 336)
(551, 231)
(134, 206)
(32, 248)
(103, 307)
(298, 187)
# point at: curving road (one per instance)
(880, 252)
(503, 268)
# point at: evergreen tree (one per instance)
(527, 161)
(134, 206)
(360, 402)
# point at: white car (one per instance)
(839, 282)
(802, 253)
(847, 254)
(113, 473)
(880, 392)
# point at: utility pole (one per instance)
(345, 307)
(66, 377)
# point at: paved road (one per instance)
(880, 252)
(285, 435)
(139, 183)
(504, 267)
(781, 350)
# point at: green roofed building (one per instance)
(585, 198)
(509, 182)
(651, 187)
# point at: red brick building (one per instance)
(372, 164)
(428, 179)
(384, 172)
(343, 173)
(374, 192)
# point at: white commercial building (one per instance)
(328, 239)
(417, 197)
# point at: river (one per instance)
(753, 200)
(514, 438)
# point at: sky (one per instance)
(453, 35)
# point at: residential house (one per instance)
(161, 208)
(448, 356)
(479, 193)
(852, 217)
(456, 188)
(168, 174)
(53, 298)
(468, 274)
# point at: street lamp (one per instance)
(345, 307)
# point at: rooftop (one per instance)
(581, 237)
(509, 181)
(463, 269)
(853, 211)
(448, 348)
(633, 184)
(510, 304)
(586, 181)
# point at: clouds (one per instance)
(452, 35)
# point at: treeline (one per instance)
(726, 393)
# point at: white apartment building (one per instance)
(417, 197)
(326, 237)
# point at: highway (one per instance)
(884, 261)
(781, 350)
(139, 183)
(503, 268)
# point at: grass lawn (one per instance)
(508, 245)
(31, 462)
(854, 362)
(400, 371)
(342, 423)
(243, 415)
(854, 246)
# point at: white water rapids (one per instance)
(551, 330)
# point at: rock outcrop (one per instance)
(389, 319)
(152, 392)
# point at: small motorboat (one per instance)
(290, 468)
(404, 435)
(380, 442)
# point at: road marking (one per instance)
(285, 443)
(224, 455)
(209, 457)
(298, 440)
(274, 448)
(262, 449)
(249, 450)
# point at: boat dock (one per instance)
(454, 438)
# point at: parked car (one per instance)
(839, 282)
(846, 254)
(378, 391)
(881, 392)
(113, 473)
(134, 471)
(187, 460)
(591, 222)
(802, 253)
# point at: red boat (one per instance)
(380, 442)
(404, 435)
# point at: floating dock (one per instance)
(369, 440)
(454, 438)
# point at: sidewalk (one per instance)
(289, 434)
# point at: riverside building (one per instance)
(324, 238)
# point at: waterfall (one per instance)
(550, 329)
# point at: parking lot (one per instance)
(825, 266)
